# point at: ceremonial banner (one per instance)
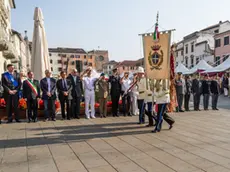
(156, 54)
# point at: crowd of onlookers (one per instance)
(193, 88)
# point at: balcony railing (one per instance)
(3, 39)
(11, 52)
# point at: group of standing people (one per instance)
(138, 94)
(187, 88)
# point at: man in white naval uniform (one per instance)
(89, 84)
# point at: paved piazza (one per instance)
(198, 142)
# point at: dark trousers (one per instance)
(196, 101)
(115, 101)
(160, 113)
(186, 101)
(126, 104)
(214, 101)
(206, 101)
(65, 104)
(75, 107)
(168, 119)
(149, 112)
(32, 105)
(49, 108)
(12, 102)
(141, 107)
(180, 98)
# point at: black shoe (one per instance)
(139, 123)
(181, 111)
(171, 126)
(216, 109)
(155, 131)
(77, 117)
(18, 121)
(0, 121)
(9, 121)
(68, 118)
(54, 119)
(35, 120)
(104, 116)
(117, 115)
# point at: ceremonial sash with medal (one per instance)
(10, 78)
(32, 86)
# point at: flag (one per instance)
(173, 97)
(156, 34)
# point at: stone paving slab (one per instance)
(199, 142)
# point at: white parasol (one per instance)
(40, 53)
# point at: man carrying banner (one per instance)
(12, 84)
(31, 92)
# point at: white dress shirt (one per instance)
(48, 82)
(125, 84)
(89, 83)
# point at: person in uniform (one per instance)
(126, 101)
(180, 86)
(188, 87)
(76, 93)
(89, 87)
(64, 88)
(31, 93)
(162, 97)
(48, 87)
(141, 85)
(11, 83)
(115, 91)
(103, 86)
(196, 91)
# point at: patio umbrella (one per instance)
(40, 53)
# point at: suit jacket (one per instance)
(27, 91)
(205, 87)
(8, 85)
(196, 86)
(103, 86)
(115, 85)
(44, 88)
(214, 87)
(61, 89)
(77, 89)
(188, 87)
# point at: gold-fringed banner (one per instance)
(156, 55)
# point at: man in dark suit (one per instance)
(77, 91)
(64, 89)
(48, 87)
(197, 91)
(215, 90)
(188, 86)
(11, 83)
(31, 92)
(206, 92)
(115, 91)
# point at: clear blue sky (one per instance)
(115, 24)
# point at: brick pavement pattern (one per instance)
(199, 142)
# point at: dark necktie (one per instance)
(64, 84)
